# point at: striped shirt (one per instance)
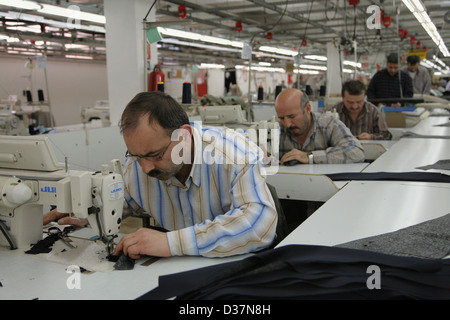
(370, 120)
(330, 141)
(224, 208)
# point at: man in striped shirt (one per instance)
(308, 137)
(365, 121)
(206, 186)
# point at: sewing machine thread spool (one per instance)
(186, 98)
(278, 89)
(41, 95)
(29, 96)
(161, 86)
(260, 93)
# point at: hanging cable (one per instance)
(307, 21)
(274, 25)
(148, 12)
(397, 11)
(335, 10)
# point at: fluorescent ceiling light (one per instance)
(72, 14)
(439, 61)
(212, 66)
(78, 57)
(279, 51)
(262, 69)
(352, 63)
(313, 67)
(49, 22)
(199, 37)
(316, 57)
(418, 10)
(8, 38)
(22, 4)
(303, 71)
(198, 45)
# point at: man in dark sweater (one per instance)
(386, 83)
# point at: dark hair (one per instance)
(413, 60)
(392, 58)
(157, 106)
(353, 87)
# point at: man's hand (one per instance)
(62, 218)
(364, 136)
(295, 154)
(144, 242)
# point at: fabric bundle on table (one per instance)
(311, 272)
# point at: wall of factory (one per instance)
(72, 84)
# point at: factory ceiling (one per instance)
(300, 26)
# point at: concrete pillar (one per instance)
(334, 81)
(126, 52)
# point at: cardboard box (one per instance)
(395, 119)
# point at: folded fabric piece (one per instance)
(122, 262)
(392, 176)
(439, 165)
(45, 245)
(447, 124)
(410, 134)
(310, 272)
(429, 239)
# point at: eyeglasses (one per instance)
(157, 157)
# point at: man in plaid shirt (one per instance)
(309, 137)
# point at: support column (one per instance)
(334, 80)
(126, 52)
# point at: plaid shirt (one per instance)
(225, 207)
(369, 120)
(383, 85)
(330, 141)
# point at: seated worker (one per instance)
(420, 77)
(386, 83)
(309, 137)
(363, 119)
(210, 205)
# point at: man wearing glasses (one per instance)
(182, 176)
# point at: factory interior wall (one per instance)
(72, 84)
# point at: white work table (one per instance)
(368, 208)
(429, 127)
(407, 154)
(309, 181)
(27, 277)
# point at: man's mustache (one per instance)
(153, 173)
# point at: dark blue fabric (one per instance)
(310, 272)
(392, 176)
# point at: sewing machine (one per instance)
(265, 133)
(31, 177)
(99, 112)
(12, 123)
